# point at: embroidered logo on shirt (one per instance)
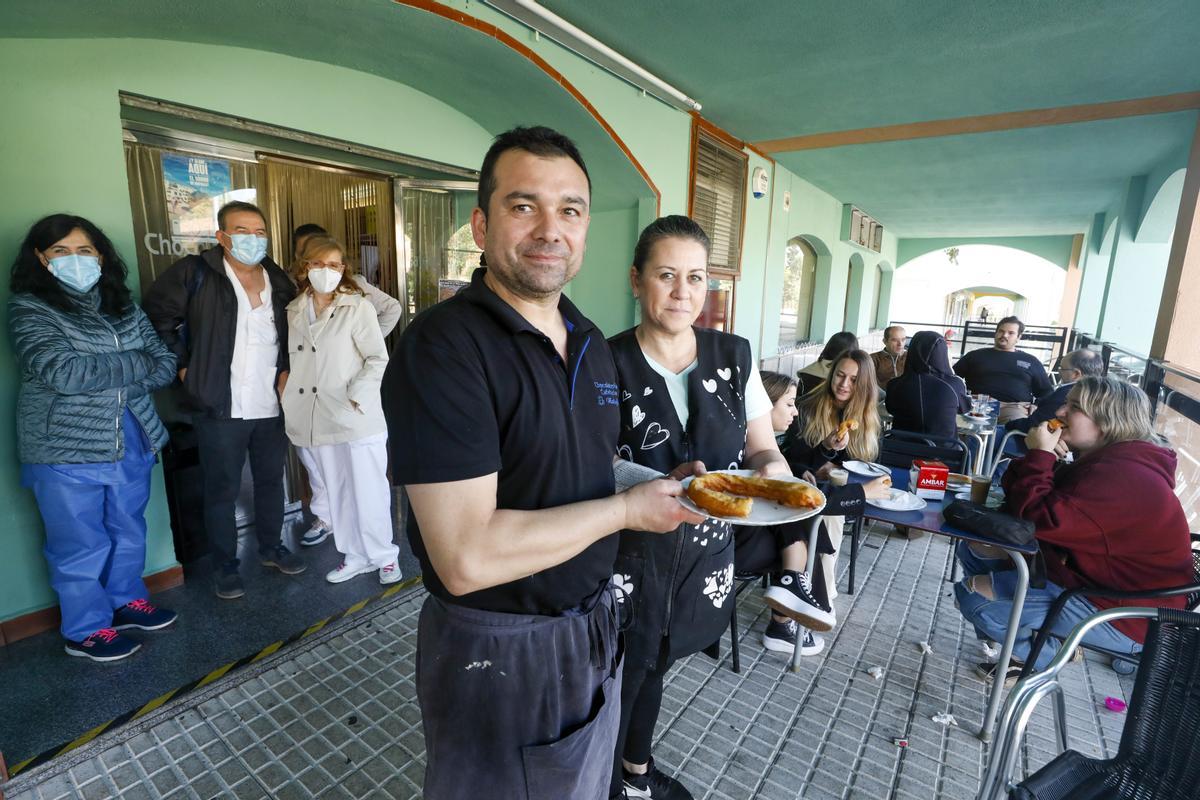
(606, 393)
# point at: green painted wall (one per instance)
(62, 151)
(1095, 272)
(602, 286)
(1136, 276)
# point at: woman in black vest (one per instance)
(690, 399)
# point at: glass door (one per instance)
(433, 237)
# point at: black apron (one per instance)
(678, 585)
(516, 706)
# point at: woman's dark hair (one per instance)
(675, 226)
(305, 230)
(30, 276)
(839, 343)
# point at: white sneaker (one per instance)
(317, 533)
(390, 573)
(345, 572)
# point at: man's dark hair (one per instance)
(1012, 321)
(675, 226)
(539, 141)
(235, 206)
(28, 274)
(307, 229)
(1088, 363)
(839, 343)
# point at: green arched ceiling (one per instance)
(779, 68)
(469, 70)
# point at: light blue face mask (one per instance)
(79, 272)
(248, 248)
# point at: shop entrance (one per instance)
(409, 237)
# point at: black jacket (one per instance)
(195, 314)
(679, 584)
(928, 397)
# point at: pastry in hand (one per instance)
(846, 426)
(1055, 424)
(725, 495)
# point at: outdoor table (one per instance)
(930, 519)
(983, 430)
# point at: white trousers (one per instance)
(835, 527)
(356, 496)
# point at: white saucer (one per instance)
(899, 500)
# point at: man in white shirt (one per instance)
(223, 314)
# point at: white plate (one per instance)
(899, 500)
(868, 469)
(763, 512)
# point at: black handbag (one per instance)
(1003, 527)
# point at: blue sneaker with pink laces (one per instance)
(104, 645)
(142, 615)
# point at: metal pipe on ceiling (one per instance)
(543, 21)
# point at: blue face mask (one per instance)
(79, 272)
(248, 248)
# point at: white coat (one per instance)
(339, 359)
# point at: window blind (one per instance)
(718, 192)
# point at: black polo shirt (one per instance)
(473, 389)
(1011, 377)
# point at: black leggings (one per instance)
(641, 699)
(756, 549)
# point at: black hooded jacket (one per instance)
(928, 397)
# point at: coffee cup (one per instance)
(839, 477)
(980, 486)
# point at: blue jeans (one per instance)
(990, 617)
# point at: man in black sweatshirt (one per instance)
(1011, 376)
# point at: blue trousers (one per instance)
(95, 548)
(990, 617)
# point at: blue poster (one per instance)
(195, 189)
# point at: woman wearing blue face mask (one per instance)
(87, 431)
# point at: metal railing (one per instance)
(1047, 342)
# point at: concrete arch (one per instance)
(822, 292)
(1158, 223)
(852, 311)
(884, 274)
(1055, 249)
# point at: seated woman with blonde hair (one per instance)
(1110, 520)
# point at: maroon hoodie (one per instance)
(1111, 520)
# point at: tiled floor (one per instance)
(336, 716)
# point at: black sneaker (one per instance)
(104, 645)
(790, 594)
(283, 560)
(229, 584)
(654, 785)
(143, 616)
(780, 637)
(987, 671)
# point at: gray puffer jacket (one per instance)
(79, 370)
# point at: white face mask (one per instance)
(324, 279)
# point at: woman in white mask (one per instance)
(332, 411)
(87, 432)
